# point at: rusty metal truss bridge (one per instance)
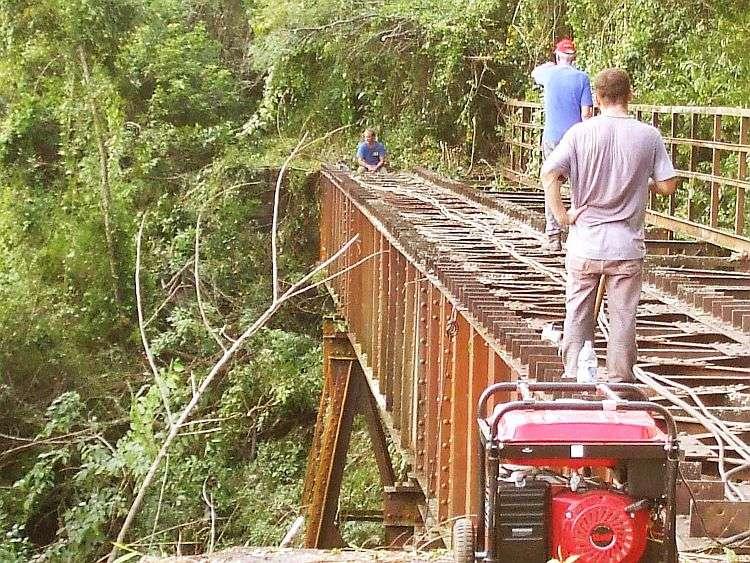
(447, 291)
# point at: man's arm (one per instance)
(666, 184)
(362, 163)
(587, 100)
(381, 160)
(663, 187)
(551, 182)
(539, 74)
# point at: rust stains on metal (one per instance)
(457, 292)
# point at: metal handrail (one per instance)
(700, 159)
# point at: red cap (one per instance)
(566, 46)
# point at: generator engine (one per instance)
(537, 517)
(599, 526)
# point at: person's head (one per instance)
(369, 136)
(612, 87)
(565, 51)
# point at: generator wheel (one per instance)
(463, 541)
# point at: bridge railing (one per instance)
(709, 147)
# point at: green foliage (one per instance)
(198, 103)
(412, 70)
(176, 72)
(680, 54)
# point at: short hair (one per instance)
(369, 130)
(565, 57)
(613, 85)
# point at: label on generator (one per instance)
(522, 532)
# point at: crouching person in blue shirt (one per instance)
(371, 153)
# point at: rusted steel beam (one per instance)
(478, 382)
(459, 417)
(432, 393)
(718, 519)
(401, 511)
(408, 378)
(447, 336)
(702, 232)
(369, 408)
(340, 398)
(420, 374)
(399, 296)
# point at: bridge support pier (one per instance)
(345, 394)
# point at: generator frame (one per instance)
(492, 451)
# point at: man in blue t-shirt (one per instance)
(371, 153)
(567, 101)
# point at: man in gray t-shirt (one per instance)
(612, 161)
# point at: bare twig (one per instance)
(163, 304)
(337, 274)
(210, 504)
(56, 440)
(176, 276)
(223, 332)
(293, 531)
(106, 443)
(16, 438)
(473, 144)
(161, 497)
(275, 224)
(141, 325)
(62, 439)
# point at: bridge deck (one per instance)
(448, 292)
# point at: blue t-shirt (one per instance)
(566, 89)
(371, 153)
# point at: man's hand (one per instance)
(571, 215)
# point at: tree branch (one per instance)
(276, 303)
(336, 23)
(275, 223)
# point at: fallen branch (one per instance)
(275, 223)
(212, 508)
(175, 428)
(276, 303)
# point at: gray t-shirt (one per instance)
(609, 161)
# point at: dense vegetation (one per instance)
(112, 110)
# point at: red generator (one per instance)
(591, 477)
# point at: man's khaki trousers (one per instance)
(623, 286)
